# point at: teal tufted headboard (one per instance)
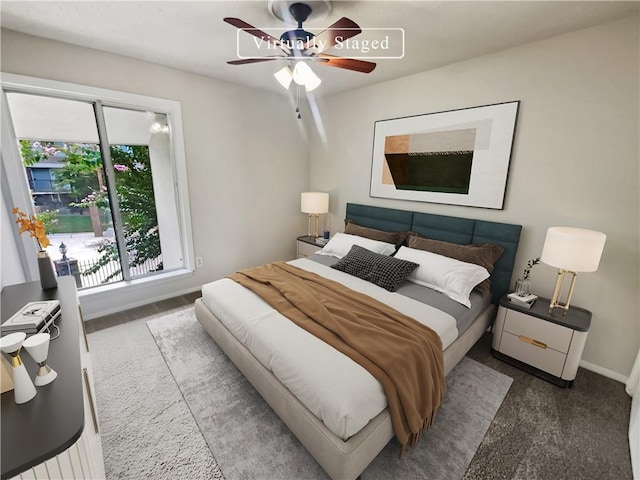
(449, 229)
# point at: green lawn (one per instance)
(71, 224)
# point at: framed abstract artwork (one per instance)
(458, 157)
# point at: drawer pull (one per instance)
(91, 404)
(531, 341)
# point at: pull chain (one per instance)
(298, 101)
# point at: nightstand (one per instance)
(307, 246)
(545, 344)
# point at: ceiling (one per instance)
(192, 36)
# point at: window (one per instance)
(106, 173)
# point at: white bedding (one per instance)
(333, 387)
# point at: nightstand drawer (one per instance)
(550, 334)
(536, 355)
(306, 249)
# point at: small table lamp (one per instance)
(571, 250)
(314, 203)
(38, 347)
(23, 388)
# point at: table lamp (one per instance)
(38, 348)
(571, 250)
(314, 203)
(23, 388)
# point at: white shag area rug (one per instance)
(146, 427)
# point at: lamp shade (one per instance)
(573, 249)
(303, 75)
(312, 83)
(314, 202)
(284, 77)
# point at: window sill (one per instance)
(126, 291)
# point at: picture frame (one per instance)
(456, 157)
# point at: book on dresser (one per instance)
(33, 317)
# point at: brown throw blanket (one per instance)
(401, 353)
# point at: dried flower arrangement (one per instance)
(530, 264)
(32, 225)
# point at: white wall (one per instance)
(246, 163)
(11, 267)
(575, 160)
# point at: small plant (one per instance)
(34, 226)
(530, 264)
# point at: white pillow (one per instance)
(341, 243)
(452, 277)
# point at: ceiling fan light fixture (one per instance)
(284, 77)
(301, 72)
(312, 83)
(303, 75)
(299, 45)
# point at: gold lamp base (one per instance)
(557, 290)
(315, 231)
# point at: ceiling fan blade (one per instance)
(332, 35)
(347, 63)
(244, 61)
(250, 29)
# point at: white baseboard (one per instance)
(140, 303)
(604, 371)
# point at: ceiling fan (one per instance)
(300, 46)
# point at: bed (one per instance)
(345, 454)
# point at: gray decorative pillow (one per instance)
(386, 272)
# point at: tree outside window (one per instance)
(81, 178)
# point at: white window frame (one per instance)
(20, 196)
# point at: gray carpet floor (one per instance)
(540, 431)
(549, 433)
(146, 427)
(250, 442)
